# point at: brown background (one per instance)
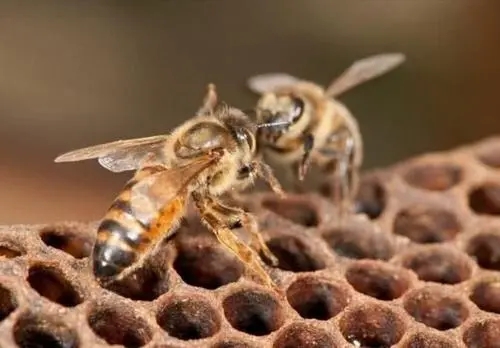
(74, 74)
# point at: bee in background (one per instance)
(310, 126)
(207, 156)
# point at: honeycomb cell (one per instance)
(486, 295)
(293, 255)
(43, 332)
(485, 248)
(119, 325)
(188, 318)
(74, 243)
(232, 344)
(360, 243)
(10, 250)
(485, 199)
(424, 224)
(52, 284)
(208, 267)
(8, 302)
(372, 325)
(436, 308)
(316, 298)
(427, 340)
(145, 283)
(299, 211)
(378, 279)
(371, 199)
(254, 312)
(304, 335)
(483, 334)
(439, 264)
(433, 176)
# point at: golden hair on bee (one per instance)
(211, 154)
(313, 127)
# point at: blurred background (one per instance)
(75, 74)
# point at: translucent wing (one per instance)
(364, 70)
(120, 155)
(155, 191)
(261, 84)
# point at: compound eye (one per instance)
(245, 136)
(297, 108)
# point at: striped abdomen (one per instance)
(122, 238)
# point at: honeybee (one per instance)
(310, 126)
(209, 155)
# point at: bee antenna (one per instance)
(273, 124)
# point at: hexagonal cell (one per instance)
(188, 318)
(438, 264)
(483, 334)
(53, 285)
(433, 176)
(72, 242)
(485, 248)
(10, 250)
(485, 199)
(8, 302)
(428, 340)
(252, 311)
(424, 224)
(207, 266)
(436, 308)
(43, 332)
(361, 242)
(299, 211)
(371, 199)
(119, 325)
(316, 298)
(486, 295)
(378, 279)
(372, 325)
(304, 335)
(293, 255)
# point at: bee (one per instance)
(209, 155)
(310, 126)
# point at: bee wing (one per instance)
(261, 84)
(158, 189)
(363, 70)
(120, 155)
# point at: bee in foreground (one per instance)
(311, 126)
(209, 155)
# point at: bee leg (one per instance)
(266, 173)
(209, 101)
(227, 238)
(304, 162)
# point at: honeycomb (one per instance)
(418, 267)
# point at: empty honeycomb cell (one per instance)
(370, 199)
(52, 284)
(304, 335)
(232, 344)
(43, 332)
(486, 295)
(316, 298)
(145, 283)
(436, 308)
(299, 211)
(424, 224)
(433, 176)
(483, 334)
(378, 279)
(255, 312)
(372, 325)
(207, 266)
(485, 248)
(360, 243)
(427, 340)
(439, 264)
(119, 325)
(8, 302)
(188, 318)
(293, 255)
(10, 250)
(485, 199)
(74, 243)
